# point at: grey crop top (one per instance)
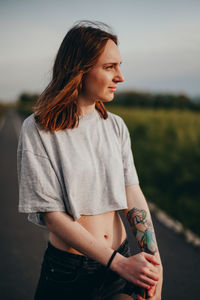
(82, 171)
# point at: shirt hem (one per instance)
(38, 209)
(100, 212)
(131, 183)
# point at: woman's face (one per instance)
(104, 75)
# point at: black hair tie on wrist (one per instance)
(111, 258)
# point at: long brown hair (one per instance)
(56, 107)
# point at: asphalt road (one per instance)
(23, 243)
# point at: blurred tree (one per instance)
(142, 99)
(25, 103)
(25, 98)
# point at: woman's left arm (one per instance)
(139, 218)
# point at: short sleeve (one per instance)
(130, 173)
(39, 188)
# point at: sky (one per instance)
(159, 42)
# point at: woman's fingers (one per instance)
(151, 274)
(152, 266)
(151, 258)
(142, 284)
(151, 291)
(140, 271)
(145, 279)
(153, 269)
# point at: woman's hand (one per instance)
(139, 269)
(154, 293)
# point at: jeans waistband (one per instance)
(76, 258)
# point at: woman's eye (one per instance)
(109, 67)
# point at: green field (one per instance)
(166, 150)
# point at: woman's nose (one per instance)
(119, 76)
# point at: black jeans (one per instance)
(65, 275)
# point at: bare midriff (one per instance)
(107, 228)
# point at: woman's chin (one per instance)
(108, 99)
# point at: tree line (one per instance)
(136, 99)
(158, 100)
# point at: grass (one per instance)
(166, 150)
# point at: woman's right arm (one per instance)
(134, 269)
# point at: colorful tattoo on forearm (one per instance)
(142, 229)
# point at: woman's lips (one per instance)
(112, 89)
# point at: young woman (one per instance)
(76, 171)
